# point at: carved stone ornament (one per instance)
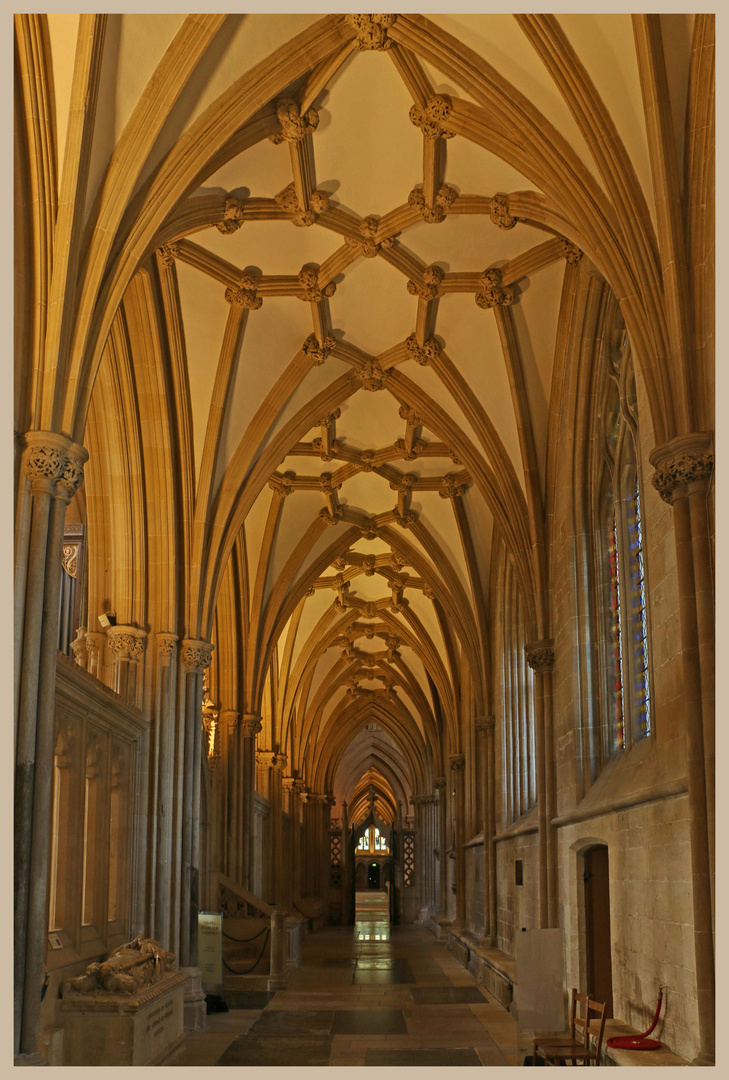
(309, 282)
(366, 245)
(436, 213)
(369, 531)
(405, 520)
(250, 725)
(367, 460)
(128, 969)
(288, 201)
(232, 216)
(316, 352)
(457, 762)
(450, 488)
(432, 120)
(571, 252)
(196, 655)
(169, 252)
(45, 462)
(494, 293)
(685, 468)
(372, 30)
(409, 454)
(540, 655)
(69, 559)
(500, 211)
(439, 783)
(428, 592)
(331, 517)
(372, 375)
(430, 289)
(284, 485)
(422, 354)
(407, 413)
(486, 725)
(244, 294)
(294, 125)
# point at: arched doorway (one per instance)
(373, 876)
(598, 947)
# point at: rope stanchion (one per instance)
(639, 1042)
(250, 969)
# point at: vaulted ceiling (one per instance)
(367, 232)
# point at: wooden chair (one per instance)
(580, 1050)
(577, 1033)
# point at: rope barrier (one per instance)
(243, 940)
(250, 969)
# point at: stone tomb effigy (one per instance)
(126, 1010)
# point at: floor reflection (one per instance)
(372, 915)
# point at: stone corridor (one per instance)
(371, 994)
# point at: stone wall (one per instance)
(516, 905)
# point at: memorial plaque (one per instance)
(210, 950)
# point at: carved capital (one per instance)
(457, 762)
(494, 293)
(309, 282)
(78, 647)
(436, 213)
(72, 475)
(196, 655)
(317, 352)
(540, 655)
(683, 462)
(250, 725)
(232, 216)
(127, 642)
(430, 289)
(422, 354)
(230, 718)
(266, 759)
(439, 783)
(500, 211)
(371, 30)
(244, 294)
(166, 645)
(94, 642)
(294, 125)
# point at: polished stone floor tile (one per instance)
(260, 1051)
(201, 1048)
(248, 999)
(446, 995)
(382, 971)
(421, 1057)
(302, 1022)
(369, 1022)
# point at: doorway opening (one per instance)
(598, 948)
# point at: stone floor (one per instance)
(364, 995)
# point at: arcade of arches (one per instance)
(364, 420)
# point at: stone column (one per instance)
(327, 802)
(277, 861)
(95, 641)
(683, 471)
(54, 467)
(277, 976)
(458, 764)
(127, 644)
(196, 656)
(540, 657)
(442, 918)
(419, 806)
(230, 723)
(291, 807)
(486, 727)
(166, 648)
(250, 725)
(347, 869)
